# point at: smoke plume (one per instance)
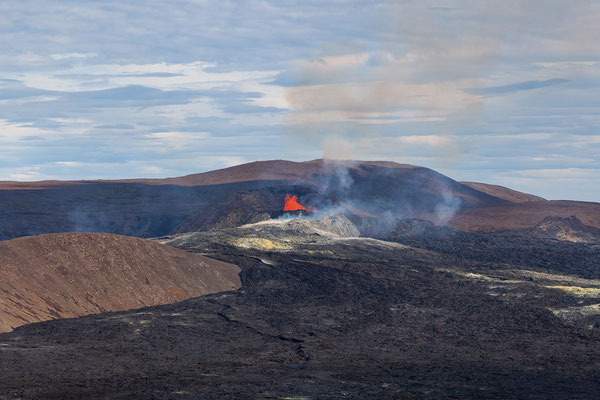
(398, 97)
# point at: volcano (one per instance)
(213, 200)
(406, 284)
(324, 311)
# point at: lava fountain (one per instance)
(291, 204)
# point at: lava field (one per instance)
(381, 281)
(325, 314)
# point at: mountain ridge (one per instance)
(156, 207)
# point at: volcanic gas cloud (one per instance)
(291, 204)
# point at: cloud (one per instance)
(109, 84)
(236, 102)
(135, 95)
(72, 55)
(515, 87)
(430, 140)
(555, 183)
(31, 138)
(69, 163)
(31, 173)
(17, 131)
(13, 89)
(166, 142)
(115, 126)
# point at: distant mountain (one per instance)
(524, 215)
(370, 294)
(386, 191)
(504, 193)
(272, 170)
(74, 274)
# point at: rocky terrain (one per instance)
(253, 192)
(70, 275)
(133, 209)
(399, 283)
(428, 312)
(524, 215)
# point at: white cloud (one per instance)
(554, 184)
(66, 56)
(165, 142)
(165, 76)
(69, 163)
(557, 173)
(31, 173)
(384, 79)
(430, 140)
(28, 59)
(15, 131)
(342, 102)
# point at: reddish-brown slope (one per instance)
(525, 215)
(503, 192)
(484, 207)
(39, 185)
(74, 274)
(274, 170)
(277, 170)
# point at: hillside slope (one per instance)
(251, 192)
(156, 207)
(503, 192)
(324, 314)
(69, 275)
(525, 215)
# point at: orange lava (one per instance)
(291, 204)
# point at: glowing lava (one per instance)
(291, 204)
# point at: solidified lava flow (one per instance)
(291, 204)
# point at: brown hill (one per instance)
(276, 170)
(229, 197)
(150, 208)
(74, 274)
(525, 215)
(503, 192)
(272, 170)
(38, 185)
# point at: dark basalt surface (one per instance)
(531, 248)
(227, 198)
(245, 207)
(254, 192)
(133, 209)
(359, 319)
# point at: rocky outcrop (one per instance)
(569, 229)
(238, 208)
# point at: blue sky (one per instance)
(498, 92)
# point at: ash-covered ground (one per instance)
(425, 312)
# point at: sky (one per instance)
(498, 92)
